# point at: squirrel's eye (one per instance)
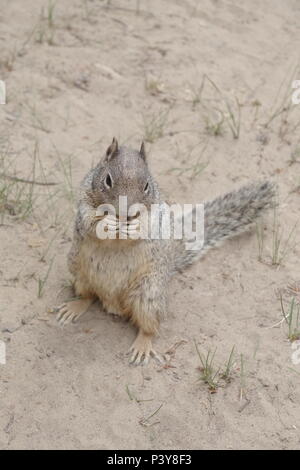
(108, 181)
(146, 188)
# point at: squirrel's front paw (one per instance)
(142, 349)
(71, 311)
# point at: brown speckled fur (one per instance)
(131, 277)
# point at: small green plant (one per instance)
(153, 86)
(215, 124)
(281, 247)
(210, 373)
(260, 236)
(282, 103)
(196, 93)
(196, 168)
(9, 58)
(17, 195)
(66, 167)
(228, 111)
(50, 13)
(46, 28)
(34, 195)
(283, 109)
(281, 244)
(42, 282)
(227, 374)
(242, 378)
(37, 122)
(154, 125)
(292, 318)
(256, 105)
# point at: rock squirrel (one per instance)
(131, 276)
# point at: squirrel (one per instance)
(130, 277)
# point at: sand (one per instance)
(78, 73)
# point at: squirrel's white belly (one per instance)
(107, 267)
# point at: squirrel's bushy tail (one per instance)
(226, 216)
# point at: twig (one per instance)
(131, 397)
(278, 323)
(241, 409)
(23, 180)
(172, 349)
(145, 421)
(285, 316)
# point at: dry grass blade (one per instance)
(145, 421)
(27, 181)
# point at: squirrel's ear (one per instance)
(143, 151)
(112, 150)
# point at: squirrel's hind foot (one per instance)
(142, 349)
(70, 312)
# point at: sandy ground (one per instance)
(78, 73)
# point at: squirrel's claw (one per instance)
(65, 315)
(71, 311)
(142, 350)
(138, 358)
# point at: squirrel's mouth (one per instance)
(128, 218)
(121, 226)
